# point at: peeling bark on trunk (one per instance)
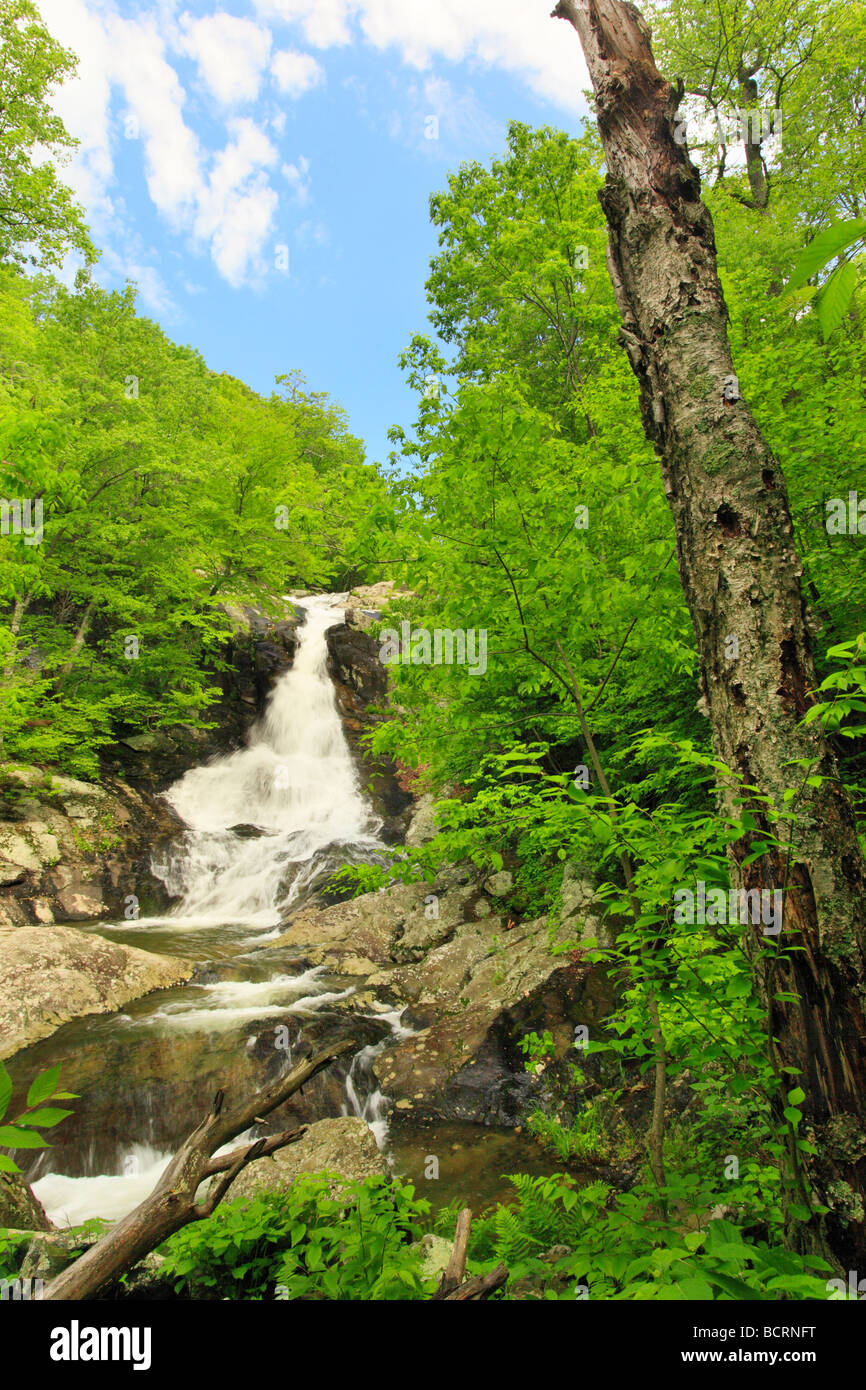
(741, 577)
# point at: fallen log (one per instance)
(453, 1286)
(479, 1287)
(172, 1203)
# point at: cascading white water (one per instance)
(295, 782)
(364, 1097)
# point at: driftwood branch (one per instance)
(172, 1203)
(456, 1269)
(453, 1287)
(480, 1287)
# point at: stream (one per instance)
(265, 828)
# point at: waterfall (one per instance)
(294, 782)
(294, 794)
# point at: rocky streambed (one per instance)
(436, 983)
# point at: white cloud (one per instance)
(515, 35)
(84, 105)
(152, 290)
(237, 207)
(460, 120)
(156, 99)
(313, 234)
(296, 73)
(296, 175)
(325, 22)
(231, 54)
(222, 199)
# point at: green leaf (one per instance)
(46, 1117)
(8, 1165)
(823, 248)
(13, 1138)
(734, 1287)
(835, 297)
(5, 1090)
(696, 1289)
(44, 1086)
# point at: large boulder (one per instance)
(471, 981)
(49, 975)
(345, 1146)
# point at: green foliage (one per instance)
(536, 1048)
(13, 1247)
(325, 1238)
(535, 420)
(836, 293)
(39, 219)
(620, 1248)
(585, 1140)
(22, 1132)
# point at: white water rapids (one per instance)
(295, 784)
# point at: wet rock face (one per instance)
(49, 975)
(474, 983)
(361, 684)
(73, 851)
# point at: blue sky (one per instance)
(263, 169)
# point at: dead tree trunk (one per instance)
(172, 1204)
(741, 577)
(454, 1287)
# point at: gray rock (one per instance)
(11, 873)
(582, 914)
(422, 826)
(499, 885)
(48, 977)
(345, 1146)
(20, 1208)
(49, 1253)
(434, 1252)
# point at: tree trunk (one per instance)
(172, 1204)
(750, 117)
(75, 649)
(741, 578)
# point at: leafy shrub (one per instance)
(325, 1238)
(621, 1247)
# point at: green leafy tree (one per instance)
(39, 218)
